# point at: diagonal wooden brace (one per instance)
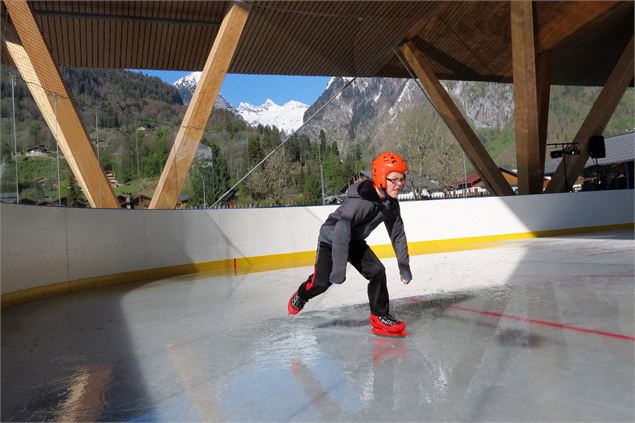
(35, 64)
(453, 118)
(200, 108)
(595, 122)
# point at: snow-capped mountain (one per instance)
(187, 85)
(287, 117)
(368, 108)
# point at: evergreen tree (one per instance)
(322, 140)
(74, 192)
(254, 151)
(312, 189)
(209, 178)
(335, 150)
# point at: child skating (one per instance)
(342, 239)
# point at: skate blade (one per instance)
(380, 332)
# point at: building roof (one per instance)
(469, 178)
(464, 40)
(619, 149)
(429, 184)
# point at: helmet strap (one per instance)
(383, 194)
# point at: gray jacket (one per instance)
(360, 213)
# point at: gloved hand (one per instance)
(405, 281)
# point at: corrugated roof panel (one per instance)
(283, 36)
(310, 48)
(337, 60)
(464, 40)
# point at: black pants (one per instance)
(364, 260)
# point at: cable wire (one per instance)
(282, 143)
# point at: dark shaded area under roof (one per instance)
(463, 40)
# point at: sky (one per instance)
(256, 89)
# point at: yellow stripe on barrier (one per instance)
(255, 264)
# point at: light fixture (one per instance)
(562, 150)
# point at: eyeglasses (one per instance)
(395, 181)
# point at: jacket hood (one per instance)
(364, 190)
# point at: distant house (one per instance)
(358, 176)
(406, 194)
(77, 203)
(110, 175)
(611, 172)
(474, 185)
(36, 151)
(469, 185)
(182, 201)
(423, 188)
(129, 201)
(466, 182)
(511, 176)
(142, 202)
(8, 197)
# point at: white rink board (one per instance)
(44, 245)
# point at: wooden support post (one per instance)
(450, 113)
(200, 108)
(544, 91)
(525, 98)
(595, 122)
(35, 64)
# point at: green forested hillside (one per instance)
(132, 120)
(568, 108)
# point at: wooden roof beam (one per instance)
(526, 107)
(452, 116)
(34, 62)
(574, 16)
(200, 108)
(595, 122)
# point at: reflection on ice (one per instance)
(223, 348)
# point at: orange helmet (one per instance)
(384, 164)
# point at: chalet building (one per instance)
(36, 151)
(358, 176)
(110, 175)
(473, 186)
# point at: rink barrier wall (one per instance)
(52, 251)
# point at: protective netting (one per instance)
(318, 142)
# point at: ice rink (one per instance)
(532, 330)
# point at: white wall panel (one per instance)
(104, 241)
(33, 246)
(43, 245)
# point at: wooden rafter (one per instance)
(525, 98)
(450, 113)
(200, 108)
(596, 121)
(574, 16)
(37, 68)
